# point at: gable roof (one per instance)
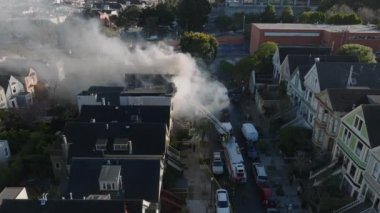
(140, 178)
(72, 206)
(10, 193)
(147, 138)
(296, 60)
(303, 70)
(302, 50)
(337, 75)
(344, 100)
(154, 114)
(371, 114)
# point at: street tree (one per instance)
(193, 14)
(269, 14)
(263, 57)
(311, 17)
(287, 15)
(365, 54)
(199, 45)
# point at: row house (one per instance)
(280, 63)
(370, 189)
(357, 136)
(332, 105)
(17, 88)
(323, 75)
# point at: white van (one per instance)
(259, 173)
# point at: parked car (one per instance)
(217, 164)
(267, 196)
(222, 201)
(259, 173)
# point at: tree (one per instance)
(312, 17)
(223, 22)
(129, 17)
(367, 15)
(365, 54)
(199, 45)
(263, 57)
(287, 15)
(193, 14)
(342, 19)
(293, 139)
(269, 14)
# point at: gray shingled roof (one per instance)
(343, 100)
(372, 117)
(302, 50)
(140, 178)
(4, 81)
(337, 74)
(297, 60)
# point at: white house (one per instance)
(15, 94)
(5, 152)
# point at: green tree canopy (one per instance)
(269, 14)
(199, 45)
(263, 57)
(287, 15)
(365, 54)
(343, 19)
(193, 14)
(293, 139)
(129, 17)
(312, 17)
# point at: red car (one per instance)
(267, 196)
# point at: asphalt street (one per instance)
(245, 198)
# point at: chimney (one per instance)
(103, 101)
(71, 195)
(317, 59)
(130, 147)
(107, 126)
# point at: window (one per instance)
(376, 171)
(346, 135)
(358, 123)
(352, 170)
(360, 178)
(6, 152)
(113, 186)
(366, 156)
(335, 126)
(108, 186)
(58, 166)
(359, 148)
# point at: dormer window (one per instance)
(101, 144)
(110, 178)
(120, 144)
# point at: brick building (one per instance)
(332, 36)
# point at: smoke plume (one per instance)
(71, 54)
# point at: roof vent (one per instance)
(43, 200)
(317, 59)
(92, 120)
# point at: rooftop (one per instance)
(10, 193)
(110, 172)
(372, 117)
(140, 178)
(146, 138)
(153, 114)
(316, 27)
(302, 50)
(343, 100)
(344, 75)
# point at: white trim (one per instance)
(299, 34)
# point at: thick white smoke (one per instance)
(75, 54)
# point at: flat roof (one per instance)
(332, 28)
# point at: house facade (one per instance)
(357, 135)
(332, 105)
(13, 88)
(370, 189)
(5, 152)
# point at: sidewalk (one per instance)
(199, 195)
(276, 168)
